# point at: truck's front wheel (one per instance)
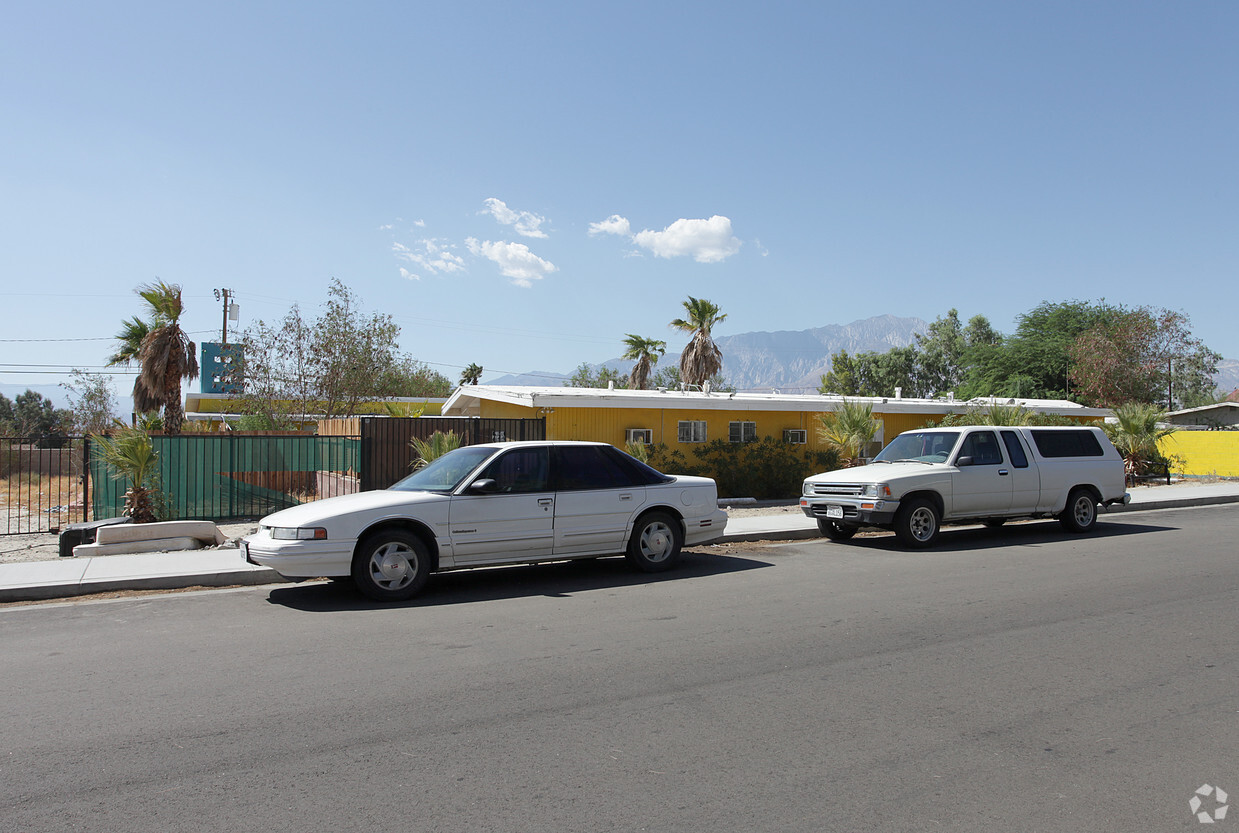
(917, 523)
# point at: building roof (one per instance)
(467, 401)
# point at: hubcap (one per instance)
(656, 542)
(922, 524)
(392, 566)
(1084, 511)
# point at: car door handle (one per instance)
(1003, 472)
(625, 496)
(545, 501)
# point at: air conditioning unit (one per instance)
(639, 435)
(795, 436)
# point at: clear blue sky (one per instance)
(520, 185)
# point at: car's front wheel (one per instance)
(655, 543)
(391, 566)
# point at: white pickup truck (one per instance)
(987, 474)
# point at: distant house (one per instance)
(1218, 415)
(685, 418)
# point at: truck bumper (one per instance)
(851, 511)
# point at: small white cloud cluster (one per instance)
(526, 223)
(706, 241)
(430, 255)
(515, 261)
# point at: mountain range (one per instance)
(793, 361)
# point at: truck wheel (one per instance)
(916, 524)
(1081, 512)
(835, 531)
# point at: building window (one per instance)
(795, 436)
(692, 431)
(743, 432)
(645, 436)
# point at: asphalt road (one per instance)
(1019, 679)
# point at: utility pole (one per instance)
(231, 309)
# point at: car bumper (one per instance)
(851, 511)
(299, 559)
(704, 530)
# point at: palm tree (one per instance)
(701, 359)
(132, 457)
(849, 430)
(1135, 433)
(471, 374)
(645, 351)
(166, 355)
(433, 447)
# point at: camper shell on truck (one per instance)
(978, 473)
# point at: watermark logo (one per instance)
(1209, 804)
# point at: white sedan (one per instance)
(485, 505)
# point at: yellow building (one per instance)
(684, 418)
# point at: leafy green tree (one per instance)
(91, 402)
(33, 416)
(329, 367)
(471, 375)
(669, 378)
(702, 358)
(874, 374)
(1141, 355)
(645, 352)
(587, 377)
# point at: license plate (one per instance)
(834, 511)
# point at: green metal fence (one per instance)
(236, 475)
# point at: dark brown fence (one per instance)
(387, 457)
(42, 489)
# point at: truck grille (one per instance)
(837, 489)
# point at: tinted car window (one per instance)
(1081, 443)
(982, 447)
(1015, 449)
(588, 467)
(638, 473)
(445, 473)
(520, 470)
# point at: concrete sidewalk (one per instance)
(222, 567)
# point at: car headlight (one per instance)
(808, 488)
(876, 490)
(306, 533)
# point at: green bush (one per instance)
(769, 469)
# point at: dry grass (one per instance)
(39, 503)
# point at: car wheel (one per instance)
(1081, 512)
(835, 531)
(917, 523)
(391, 566)
(655, 542)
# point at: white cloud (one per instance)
(526, 223)
(615, 224)
(708, 241)
(514, 259)
(431, 255)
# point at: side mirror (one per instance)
(485, 486)
(963, 461)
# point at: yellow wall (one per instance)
(1204, 452)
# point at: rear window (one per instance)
(1082, 443)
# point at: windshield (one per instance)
(445, 473)
(922, 446)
